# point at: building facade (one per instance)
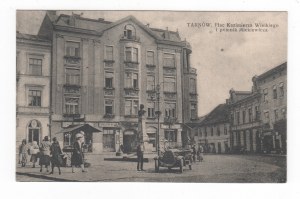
(33, 60)
(103, 71)
(245, 120)
(273, 87)
(213, 132)
(258, 118)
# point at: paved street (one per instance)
(215, 168)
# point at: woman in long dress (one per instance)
(45, 153)
(23, 152)
(77, 158)
(56, 159)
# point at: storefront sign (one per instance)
(174, 126)
(108, 124)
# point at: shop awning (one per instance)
(76, 128)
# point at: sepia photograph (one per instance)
(151, 96)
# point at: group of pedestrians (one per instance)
(197, 153)
(51, 154)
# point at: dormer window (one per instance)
(129, 31)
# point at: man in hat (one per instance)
(140, 156)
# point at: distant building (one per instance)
(33, 63)
(213, 132)
(245, 134)
(103, 71)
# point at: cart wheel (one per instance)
(181, 166)
(190, 166)
(156, 166)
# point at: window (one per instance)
(169, 84)
(200, 132)
(231, 118)
(211, 131)
(109, 80)
(250, 114)
(193, 111)
(218, 131)
(237, 117)
(281, 89)
(71, 105)
(265, 96)
(150, 58)
(171, 135)
(151, 112)
(274, 92)
(193, 86)
(225, 130)
(244, 117)
(109, 107)
(267, 115)
(257, 114)
(35, 66)
(72, 49)
(150, 82)
(73, 76)
(131, 107)
(131, 80)
(170, 110)
(205, 132)
(169, 60)
(34, 98)
(34, 128)
(109, 139)
(131, 54)
(109, 53)
(129, 31)
(68, 141)
(276, 114)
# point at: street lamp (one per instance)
(158, 113)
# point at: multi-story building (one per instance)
(245, 121)
(33, 60)
(213, 132)
(258, 117)
(103, 71)
(273, 88)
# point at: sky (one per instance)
(223, 60)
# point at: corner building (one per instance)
(103, 71)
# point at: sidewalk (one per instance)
(99, 163)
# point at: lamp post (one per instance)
(157, 113)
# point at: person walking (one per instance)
(23, 152)
(200, 153)
(45, 153)
(77, 158)
(194, 153)
(55, 152)
(140, 157)
(34, 150)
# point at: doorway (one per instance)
(129, 141)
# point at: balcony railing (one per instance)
(131, 92)
(131, 64)
(130, 38)
(72, 59)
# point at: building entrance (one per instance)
(129, 141)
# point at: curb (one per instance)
(44, 177)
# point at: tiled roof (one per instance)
(218, 115)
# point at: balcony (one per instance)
(71, 89)
(131, 92)
(170, 95)
(193, 96)
(72, 115)
(169, 71)
(130, 38)
(150, 68)
(109, 116)
(33, 109)
(72, 60)
(131, 65)
(108, 63)
(109, 91)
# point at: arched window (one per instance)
(129, 31)
(34, 131)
